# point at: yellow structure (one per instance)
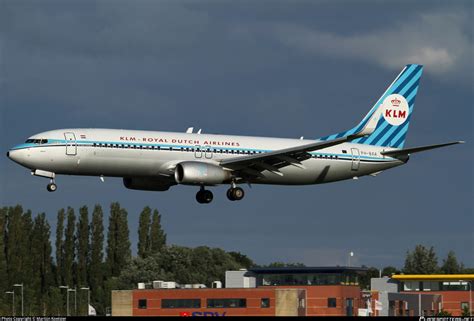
(437, 277)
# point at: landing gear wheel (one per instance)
(238, 193)
(229, 194)
(204, 196)
(235, 193)
(51, 187)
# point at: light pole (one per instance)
(21, 285)
(351, 254)
(67, 298)
(13, 300)
(88, 298)
(75, 299)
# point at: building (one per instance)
(422, 294)
(300, 291)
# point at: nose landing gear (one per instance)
(204, 196)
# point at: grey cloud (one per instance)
(437, 40)
(118, 28)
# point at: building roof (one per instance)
(438, 277)
(306, 270)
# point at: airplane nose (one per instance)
(13, 155)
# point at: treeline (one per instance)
(91, 261)
(81, 264)
(421, 260)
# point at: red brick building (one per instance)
(455, 290)
(257, 292)
(423, 294)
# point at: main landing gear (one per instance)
(204, 196)
(51, 187)
(235, 194)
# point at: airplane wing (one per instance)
(253, 165)
(274, 160)
(407, 151)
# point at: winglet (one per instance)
(371, 124)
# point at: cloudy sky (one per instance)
(269, 68)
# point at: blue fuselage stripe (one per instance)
(79, 143)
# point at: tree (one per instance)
(18, 252)
(3, 260)
(118, 242)
(157, 235)
(243, 260)
(181, 264)
(389, 270)
(451, 265)
(118, 248)
(364, 279)
(465, 311)
(283, 264)
(41, 253)
(144, 232)
(96, 275)
(14, 241)
(143, 270)
(421, 261)
(443, 313)
(69, 246)
(60, 246)
(55, 302)
(82, 246)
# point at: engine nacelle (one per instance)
(147, 184)
(200, 173)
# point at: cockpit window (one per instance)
(36, 141)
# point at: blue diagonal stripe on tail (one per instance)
(396, 105)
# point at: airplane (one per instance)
(155, 161)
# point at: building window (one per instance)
(180, 303)
(265, 303)
(331, 302)
(226, 303)
(430, 286)
(464, 306)
(411, 286)
(142, 303)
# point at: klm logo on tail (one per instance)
(395, 110)
(396, 107)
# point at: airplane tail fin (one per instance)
(393, 111)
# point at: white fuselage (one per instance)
(132, 153)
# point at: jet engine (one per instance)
(148, 183)
(199, 173)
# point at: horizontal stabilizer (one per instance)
(408, 151)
